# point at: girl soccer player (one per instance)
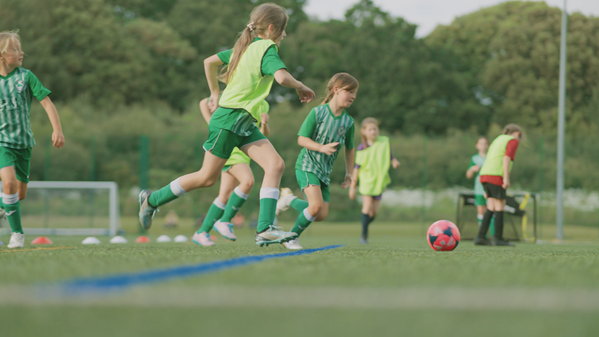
(236, 180)
(327, 128)
(495, 177)
(476, 162)
(253, 66)
(17, 88)
(373, 160)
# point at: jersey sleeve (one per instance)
(309, 125)
(38, 90)
(349, 138)
(511, 148)
(472, 163)
(271, 62)
(225, 56)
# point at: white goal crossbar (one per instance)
(113, 213)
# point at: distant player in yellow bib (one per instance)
(236, 180)
(373, 160)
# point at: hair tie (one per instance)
(251, 26)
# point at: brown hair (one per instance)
(261, 17)
(511, 128)
(365, 123)
(5, 39)
(341, 80)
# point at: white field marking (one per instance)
(448, 298)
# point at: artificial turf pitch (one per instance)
(395, 286)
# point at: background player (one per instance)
(495, 177)
(476, 162)
(373, 160)
(17, 88)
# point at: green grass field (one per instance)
(395, 286)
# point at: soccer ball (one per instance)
(443, 235)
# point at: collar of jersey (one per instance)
(9, 74)
(331, 112)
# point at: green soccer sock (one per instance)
(13, 212)
(236, 201)
(492, 226)
(1, 204)
(299, 204)
(268, 207)
(215, 212)
(166, 194)
(304, 219)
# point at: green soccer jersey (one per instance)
(323, 127)
(479, 160)
(17, 90)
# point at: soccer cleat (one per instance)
(17, 240)
(225, 229)
(501, 242)
(202, 239)
(274, 234)
(146, 212)
(293, 244)
(284, 200)
(481, 242)
(363, 241)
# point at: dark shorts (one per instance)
(376, 197)
(494, 191)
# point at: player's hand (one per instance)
(506, 183)
(329, 149)
(213, 103)
(395, 163)
(475, 168)
(352, 193)
(264, 118)
(305, 94)
(347, 181)
(57, 139)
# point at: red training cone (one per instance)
(142, 239)
(42, 240)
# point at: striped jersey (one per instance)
(324, 128)
(17, 90)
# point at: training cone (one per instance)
(180, 238)
(142, 239)
(41, 240)
(164, 238)
(118, 239)
(91, 241)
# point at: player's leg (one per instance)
(287, 199)
(216, 210)
(490, 192)
(265, 155)
(499, 212)
(14, 180)
(218, 148)
(316, 205)
(243, 174)
(367, 209)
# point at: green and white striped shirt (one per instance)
(16, 92)
(324, 128)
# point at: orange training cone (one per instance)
(41, 240)
(142, 239)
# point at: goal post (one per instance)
(64, 208)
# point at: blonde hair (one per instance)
(261, 17)
(511, 128)
(343, 81)
(365, 123)
(6, 37)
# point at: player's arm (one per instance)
(472, 171)
(506, 171)
(205, 110)
(309, 144)
(350, 154)
(284, 78)
(211, 65)
(264, 128)
(57, 136)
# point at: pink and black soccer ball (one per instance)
(443, 235)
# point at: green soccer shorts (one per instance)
(19, 158)
(479, 200)
(221, 142)
(304, 179)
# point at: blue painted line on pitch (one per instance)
(121, 281)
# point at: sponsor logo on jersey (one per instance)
(341, 131)
(19, 85)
